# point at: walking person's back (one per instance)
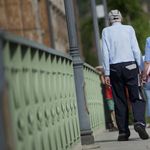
(121, 61)
(119, 41)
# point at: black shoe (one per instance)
(123, 137)
(115, 129)
(141, 131)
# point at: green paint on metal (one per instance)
(94, 97)
(42, 96)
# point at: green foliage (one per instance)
(131, 11)
(87, 34)
(83, 8)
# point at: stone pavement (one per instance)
(108, 141)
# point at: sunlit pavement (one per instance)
(108, 141)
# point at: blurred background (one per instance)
(135, 13)
(44, 21)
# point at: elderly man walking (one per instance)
(121, 58)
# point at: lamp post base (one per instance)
(87, 139)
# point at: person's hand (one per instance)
(107, 81)
(143, 78)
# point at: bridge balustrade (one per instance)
(94, 97)
(42, 98)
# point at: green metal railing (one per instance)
(42, 96)
(94, 97)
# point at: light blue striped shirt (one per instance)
(119, 44)
(147, 49)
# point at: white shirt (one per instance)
(119, 44)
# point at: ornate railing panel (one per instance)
(42, 96)
(94, 97)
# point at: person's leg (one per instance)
(111, 108)
(113, 114)
(146, 89)
(149, 122)
(132, 81)
(120, 100)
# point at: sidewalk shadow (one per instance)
(115, 140)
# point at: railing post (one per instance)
(108, 119)
(85, 129)
(2, 82)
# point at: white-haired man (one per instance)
(121, 58)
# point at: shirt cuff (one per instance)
(107, 72)
(142, 69)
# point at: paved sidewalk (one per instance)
(108, 141)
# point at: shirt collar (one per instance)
(116, 24)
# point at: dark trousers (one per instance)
(121, 75)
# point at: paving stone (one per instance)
(108, 141)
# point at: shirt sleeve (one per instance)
(105, 55)
(136, 50)
(147, 49)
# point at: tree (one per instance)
(87, 32)
(133, 15)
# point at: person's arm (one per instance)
(101, 72)
(144, 75)
(147, 61)
(100, 68)
(107, 81)
(146, 65)
(105, 55)
(102, 79)
(136, 50)
(105, 59)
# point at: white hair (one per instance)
(113, 21)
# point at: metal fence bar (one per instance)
(94, 97)
(85, 129)
(42, 96)
(23, 41)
